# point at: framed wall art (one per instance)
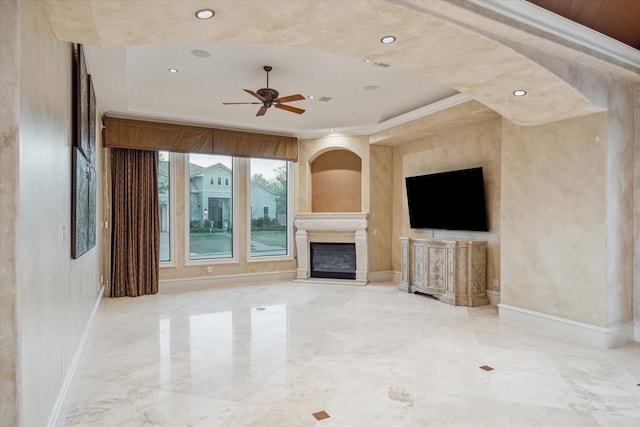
(84, 176)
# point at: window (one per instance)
(210, 209)
(164, 181)
(226, 182)
(212, 180)
(269, 207)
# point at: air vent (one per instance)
(325, 99)
(380, 64)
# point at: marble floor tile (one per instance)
(274, 354)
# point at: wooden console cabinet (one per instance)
(454, 271)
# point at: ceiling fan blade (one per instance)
(296, 97)
(236, 103)
(261, 111)
(289, 108)
(250, 92)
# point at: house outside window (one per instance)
(210, 209)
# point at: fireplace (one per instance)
(336, 228)
(333, 260)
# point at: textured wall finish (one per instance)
(9, 191)
(310, 149)
(381, 210)
(616, 94)
(57, 294)
(336, 182)
(553, 224)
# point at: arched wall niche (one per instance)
(336, 181)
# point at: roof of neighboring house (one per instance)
(194, 169)
(256, 184)
(205, 171)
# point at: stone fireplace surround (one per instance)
(331, 227)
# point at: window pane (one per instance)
(269, 195)
(163, 196)
(210, 207)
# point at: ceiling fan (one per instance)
(269, 97)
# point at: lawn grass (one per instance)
(221, 243)
(271, 238)
(209, 243)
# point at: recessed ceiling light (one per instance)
(332, 130)
(173, 70)
(366, 60)
(519, 92)
(200, 53)
(387, 39)
(205, 14)
(311, 97)
(372, 87)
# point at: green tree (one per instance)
(277, 185)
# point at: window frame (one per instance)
(173, 159)
(235, 194)
(271, 258)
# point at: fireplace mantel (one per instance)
(332, 227)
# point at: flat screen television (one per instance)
(452, 200)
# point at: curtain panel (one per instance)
(135, 238)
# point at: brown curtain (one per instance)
(135, 234)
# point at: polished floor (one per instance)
(276, 354)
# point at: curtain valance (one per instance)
(147, 135)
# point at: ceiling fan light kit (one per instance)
(270, 98)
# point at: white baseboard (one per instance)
(59, 411)
(494, 297)
(583, 333)
(194, 283)
(380, 276)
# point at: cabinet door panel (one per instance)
(437, 268)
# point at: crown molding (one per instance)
(549, 22)
(525, 13)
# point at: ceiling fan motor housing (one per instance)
(268, 94)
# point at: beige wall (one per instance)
(615, 94)
(554, 218)
(310, 149)
(336, 182)
(468, 146)
(9, 215)
(381, 212)
(55, 294)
